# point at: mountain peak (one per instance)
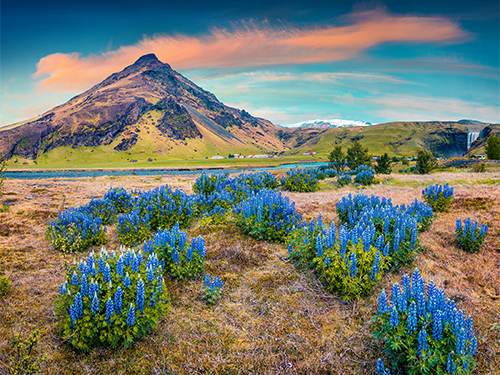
(147, 58)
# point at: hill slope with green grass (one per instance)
(395, 138)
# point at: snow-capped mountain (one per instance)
(333, 123)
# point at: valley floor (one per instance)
(272, 318)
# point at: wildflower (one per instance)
(422, 341)
(95, 305)
(131, 316)
(109, 310)
(411, 322)
(118, 300)
(394, 319)
(139, 300)
(126, 282)
(382, 303)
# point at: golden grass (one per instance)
(272, 318)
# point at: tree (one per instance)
(426, 162)
(493, 147)
(357, 155)
(383, 164)
(337, 159)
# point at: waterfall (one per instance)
(471, 137)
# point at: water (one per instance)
(471, 137)
(75, 173)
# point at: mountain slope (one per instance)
(146, 105)
(395, 138)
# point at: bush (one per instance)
(74, 230)
(478, 167)
(207, 184)
(101, 208)
(493, 147)
(344, 180)
(383, 164)
(267, 215)
(25, 359)
(133, 228)
(302, 180)
(426, 162)
(364, 175)
(439, 197)
(470, 236)
(120, 198)
(351, 265)
(395, 226)
(212, 289)
(182, 259)
(424, 333)
(165, 207)
(302, 242)
(4, 285)
(112, 300)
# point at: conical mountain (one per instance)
(146, 108)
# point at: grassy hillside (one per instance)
(395, 138)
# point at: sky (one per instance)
(375, 61)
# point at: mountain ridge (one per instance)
(115, 110)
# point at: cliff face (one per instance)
(110, 110)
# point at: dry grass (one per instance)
(272, 318)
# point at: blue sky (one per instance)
(285, 61)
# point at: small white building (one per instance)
(217, 157)
(261, 156)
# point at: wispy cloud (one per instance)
(251, 45)
(413, 108)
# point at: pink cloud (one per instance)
(249, 46)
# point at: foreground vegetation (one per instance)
(271, 317)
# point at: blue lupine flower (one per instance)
(131, 316)
(119, 266)
(109, 310)
(118, 300)
(107, 273)
(139, 300)
(150, 274)
(95, 304)
(437, 326)
(411, 322)
(394, 319)
(376, 266)
(422, 341)
(382, 303)
(450, 365)
(74, 279)
(354, 267)
(207, 281)
(126, 282)
(381, 370)
(79, 305)
(319, 247)
(84, 285)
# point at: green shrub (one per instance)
(439, 197)
(133, 228)
(112, 300)
(75, 231)
(182, 259)
(25, 359)
(351, 271)
(470, 237)
(212, 290)
(4, 285)
(302, 180)
(423, 332)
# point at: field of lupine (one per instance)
(303, 273)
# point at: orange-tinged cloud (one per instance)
(250, 46)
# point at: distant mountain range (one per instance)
(149, 112)
(323, 124)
